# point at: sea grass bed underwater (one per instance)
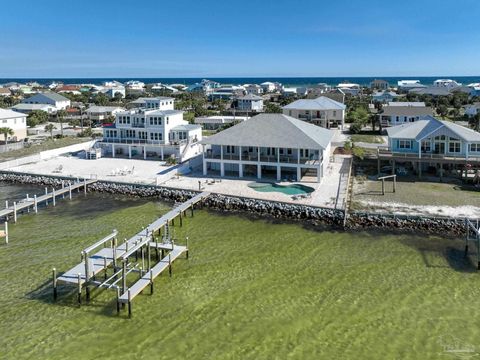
(252, 289)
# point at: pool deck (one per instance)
(157, 173)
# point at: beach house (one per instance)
(59, 102)
(398, 113)
(15, 121)
(153, 131)
(100, 113)
(429, 143)
(269, 146)
(321, 111)
(250, 102)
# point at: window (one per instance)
(426, 146)
(475, 147)
(289, 151)
(404, 144)
(454, 146)
(281, 151)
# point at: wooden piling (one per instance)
(170, 264)
(118, 300)
(53, 196)
(6, 204)
(186, 246)
(35, 203)
(54, 275)
(79, 289)
(85, 186)
(151, 282)
(15, 212)
(124, 276)
(70, 191)
(105, 267)
(191, 210)
(148, 257)
(181, 222)
(6, 232)
(129, 304)
(383, 186)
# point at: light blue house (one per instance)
(429, 142)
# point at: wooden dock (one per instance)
(33, 202)
(118, 258)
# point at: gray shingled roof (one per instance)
(320, 103)
(8, 114)
(273, 130)
(406, 111)
(426, 126)
(51, 95)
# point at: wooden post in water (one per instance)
(85, 186)
(79, 289)
(53, 196)
(63, 187)
(148, 257)
(124, 276)
(15, 212)
(46, 200)
(186, 245)
(383, 186)
(118, 302)
(181, 222)
(114, 253)
(70, 191)
(394, 183)
(35, 203)
(6, 232)
(151, 281)
(129, 304)
(105, 267)
(170, 264)
(6, 204)
(54, 271)
(191, 209)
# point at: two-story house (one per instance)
(321, 111)
(274, 146)
(398, 113)
(250, 102)
(155, 130)
(15, 121)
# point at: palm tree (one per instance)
(49, 128)
(6, 131)
(60, 115)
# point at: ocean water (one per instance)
(252, 289)
(287, 81)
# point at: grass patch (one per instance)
(48, 144)
(367, 138)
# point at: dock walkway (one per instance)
(84, 273)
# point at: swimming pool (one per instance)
(294, 189)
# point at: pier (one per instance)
(107, 264)
(32, 203)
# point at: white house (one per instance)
(274, 146)
(135, 85)
(159, 102)
(253, 89)
(349, 88)
(250, 102)
(321, 111)
(102, 112)
(394, 115)
(268, 86)
(446, 83)
(15, 121)
(50, 98)
(28, 108)
(217, 121)
(154, 131)
(409, 84)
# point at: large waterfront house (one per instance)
(446, 83)
(409, 84)
(379, 84)
(59, 102)
(349, 88)
(15, 121)
(472, 109)
(250, 102)
(321, 111)
(269, 146)
(393, 114)
(429, 142)
(153, 131)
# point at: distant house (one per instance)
(226, 92)
(393, 115)
(28, 108)
(159, 102)
(407, 103)
(253, 89)
(349, 88)
(378, 84)
(431, 142)
(59, 102)
(135, 85)
(318, 90)
(217, 121)
(272, 146)
(15, 121)
(71, 89)
(321, 111)
(409, 84)
(446, 83)
(472, 109)
(250, 102)
(268, 86)
(384, 96)
(431, 90)
(292, 91)
(99, 113)
(5, 92)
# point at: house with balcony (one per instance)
(429, 143)
(59, 102)
(100, 113)
(400, 113)
(321, 111)
(155, 131)
(250, 102)
(269, 146)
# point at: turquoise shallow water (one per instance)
(293, 189)
(252, 289)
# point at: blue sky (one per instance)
(201, 38)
